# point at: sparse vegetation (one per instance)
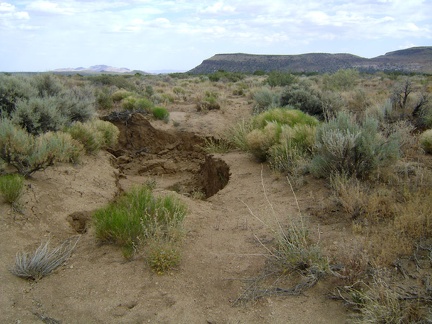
(361, 139)
(138, 219)
(44, 260)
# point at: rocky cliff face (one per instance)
(416, 59)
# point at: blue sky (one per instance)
(178, 35)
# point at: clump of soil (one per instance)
(178, 157)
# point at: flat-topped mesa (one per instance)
(416, 59)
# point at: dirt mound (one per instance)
(177, 157)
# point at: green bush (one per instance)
(341, 80)
(226, 76)
(121, 94)
(304, 99)
(425, 140)
(78, 104)
(259, 141)
(236, 135)
(285, 116)
(137, 217)
(282, 79)
(358, 149)
(94, 135)
(144, 104)
(109, 132)
(11, 187)
(160, 113)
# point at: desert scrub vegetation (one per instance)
(94, 135)
(11, 187)
(160, 113)
(344, 145)
(137, 220)
(43, 260)
(27, 153)
(425, 140)
(268, 127)
(293, 256)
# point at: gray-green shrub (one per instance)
(265, 99)
(344, 145)
(303, 98)
(28, 153)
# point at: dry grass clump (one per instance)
(44, 260)
(292, 254)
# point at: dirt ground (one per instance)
(219, 254)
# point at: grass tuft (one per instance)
(44, 260)
(11, 187)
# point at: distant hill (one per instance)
(97, 69)
(415, 59)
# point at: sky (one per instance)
(178, 35)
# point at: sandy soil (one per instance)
(220, 252)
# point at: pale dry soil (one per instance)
(220, 251)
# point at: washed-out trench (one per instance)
(176, 158)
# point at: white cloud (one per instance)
(218, 7)
(51, 7)
(11, 18)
